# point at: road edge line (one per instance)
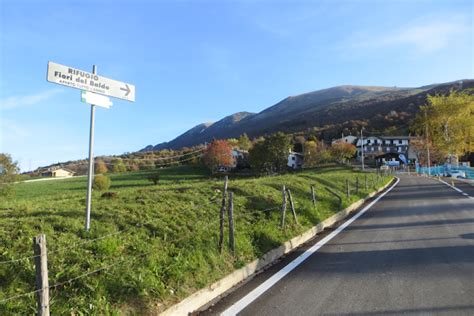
(456, 189)
(262, 288)
(208, 294)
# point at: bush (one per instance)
(100, 167)
(109, 195)
(155, 178)
(118, 166)
(101, 183)
(8, 174)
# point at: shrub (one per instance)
(109, 195)
(155, 178)
(8, 174)
(118, 166)
(101, 183)
(100, 167)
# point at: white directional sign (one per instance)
(83, 80)
(96, 99)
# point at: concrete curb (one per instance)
(207, 294)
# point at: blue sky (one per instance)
(198, 61)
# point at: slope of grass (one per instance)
(163, 242)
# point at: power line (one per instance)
(135, 159)
(130, 165)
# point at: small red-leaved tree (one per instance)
(218, 154)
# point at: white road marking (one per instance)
(454, 188)
(262, 288)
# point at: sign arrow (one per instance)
(78, 79)
(127, 88)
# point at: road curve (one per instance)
(411, 253)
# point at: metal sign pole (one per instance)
(90, 175)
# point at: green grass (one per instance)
(168, 247)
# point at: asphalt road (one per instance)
(412, 253)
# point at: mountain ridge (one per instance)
(328, 110)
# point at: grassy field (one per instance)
(158, 243)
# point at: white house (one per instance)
(377, 146)
(295, 160)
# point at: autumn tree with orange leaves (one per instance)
(218, 154)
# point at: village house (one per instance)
(57, 172)
(385, 149)
(295, 160)
(381, 150)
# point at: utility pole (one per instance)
(362, 148)
(90, 175)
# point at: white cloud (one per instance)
(423, 35)
(27, 100)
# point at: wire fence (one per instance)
(208, 225)
(119, 232)
(106, 267)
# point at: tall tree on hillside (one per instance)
(310, 153)
(447, 122)
(258, 158)
(218, 154)
(419, 146)
(8, 174)
(233, 142)
(298, 143)
(271, 154)
(315, 153)
(244, 142)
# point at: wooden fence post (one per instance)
(313, 196)
(292, 206)
(222, 213)
(283, 207)
(357, 185)
(348, 190)
(231, 222)
(336, 195)
(41, 267)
